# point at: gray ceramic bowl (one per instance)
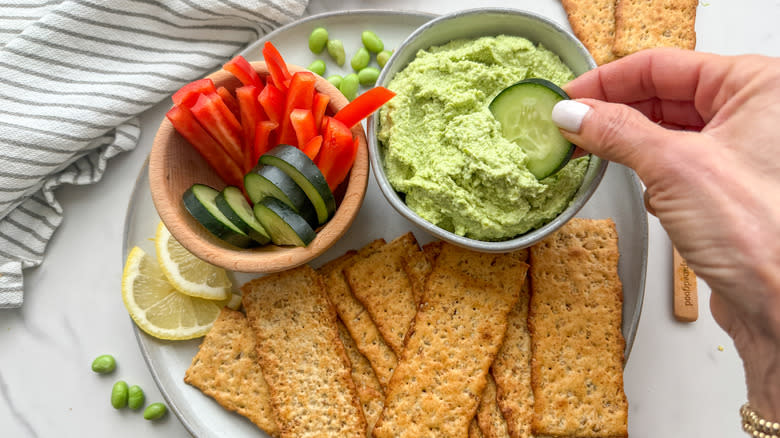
(473, 24)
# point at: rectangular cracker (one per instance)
(576, 342)
(491, 421)
(302, 357)
(474, 431)
(368, 388)
(456, 334)
(512, 370)
(354, 316)
(593, 22)
(226, 368)
(380, 282)
(645, 24)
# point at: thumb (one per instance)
(611, 131)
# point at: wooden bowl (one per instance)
(174, 166)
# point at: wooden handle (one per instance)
(686, 299)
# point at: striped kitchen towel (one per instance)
(73, 77)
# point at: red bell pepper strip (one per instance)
(272, 101)
(299, 96)
(262, 134)
(302, 122)
(363, 105)
(185, 124)
(319, 106)
(243, 70)
(216, 118)
(188, 94)
(312, 147)
(229, 100)
(251, 113)
(337, 152)
(276, 66)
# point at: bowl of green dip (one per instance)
(437, 152)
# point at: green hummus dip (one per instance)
(444, 150)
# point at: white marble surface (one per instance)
(677, 381)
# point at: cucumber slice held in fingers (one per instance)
(524, 111)
(232, 203)
(285, 226)
(200, 201)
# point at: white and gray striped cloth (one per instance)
(73, 77)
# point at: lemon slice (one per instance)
(187, 273)
(157, 308)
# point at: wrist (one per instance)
(761, 358)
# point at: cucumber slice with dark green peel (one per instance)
(524, 111)
(285, 226)
(273, 182)
(200, 201)
(305, 173)
(232, 203)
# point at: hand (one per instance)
(703, 133)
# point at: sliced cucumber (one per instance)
(285, 226)
(305, 173)
(273, 182)
(524, 111)
(200, 201)
(233, 205)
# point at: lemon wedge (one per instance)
(187, 273)
(157, 307)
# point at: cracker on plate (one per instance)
(576, 342)
(593, 22)
(643, 24)
(301, 355)
(368, 387)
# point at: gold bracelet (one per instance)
(756, 426)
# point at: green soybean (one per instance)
(119, 395)
(318, 67)
(372, 42)
(368, 76)
(361, 59)
(104, 364)
(382, 57)
(336, 51)
(155, 411)
(135, 397)
(335, 80)
(349, 86)
(318, 39)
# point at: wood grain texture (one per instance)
(174, 166)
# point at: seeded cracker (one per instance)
(354, 316)
(456, 334)
(368, 387)
(576, 342)
(491, 421)
(302, 357)
(381, 283)
(593, 22)
(645, 24)
(226, 369)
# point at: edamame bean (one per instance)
(318, 39)
(104, 364)
(335, 80)
(382, 57)
(349, 86)
(372, 42)
(368, 76)
(155, 411)
(336, 51)
(119, 395)
(135, 397)
(318, 67)
(361, 59)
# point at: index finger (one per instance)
(666, 74)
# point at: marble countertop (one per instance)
(681, 379)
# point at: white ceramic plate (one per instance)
(618, 197)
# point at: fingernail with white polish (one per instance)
(568, 115)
